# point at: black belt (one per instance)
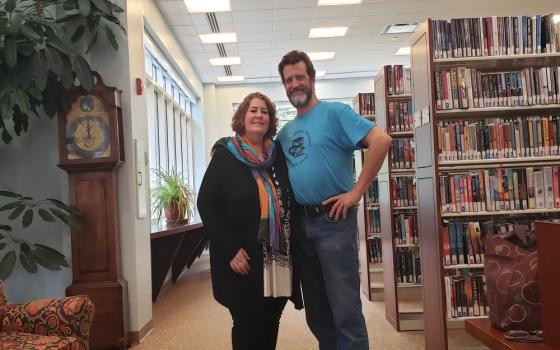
(318, 209)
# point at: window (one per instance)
(169, 120)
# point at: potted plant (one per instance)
(172, 197)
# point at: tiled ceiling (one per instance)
(267, 29)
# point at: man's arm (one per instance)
(377, 142)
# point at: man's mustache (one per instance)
(301, 89)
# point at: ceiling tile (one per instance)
(184, 30)
(178, 19)
(252, 16)
(293, 14)
(255, 27)
(247, 37)
(172, 7)
(288, 4)
(255, 45)
(248, 5)
(292, 25)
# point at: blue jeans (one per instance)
(326, 256)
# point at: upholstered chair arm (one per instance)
(69, 317)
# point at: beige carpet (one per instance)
(187, 317)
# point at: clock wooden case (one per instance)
(91, 151)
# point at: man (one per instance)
(319, 144)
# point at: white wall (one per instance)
(28, 165)
(220, 98)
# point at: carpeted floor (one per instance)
(187, 317)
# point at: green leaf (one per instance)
(5, 228)
(60, 204)
(84, 6)
(46, 216)
(92, 42)
(52, 254)
(22, 100)
(40, 69)
(10, 51)
(54, 60)
(7, 265)
(16, 212)
(83, 71)
(27, 260)
(45, 260)
(27, 217)
(3, 245)
(29, 32)
(111, 37)
(10, 6)
(10, 205)
(6, 137)
(67, 77)
(9, 194)
(52, 96)
(63, 216)
(78, 33)
(116, 8)
(102, 5)
(5, 106)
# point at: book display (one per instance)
(398, 201)
(487, 113)
(369, 221)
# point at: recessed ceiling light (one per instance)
(338, 2)
(197, 6)
(320, 73)
(225, 61)
(400, 28)
(216, 38)
(327, 32)
(556, 19)
(403, 51)
(230, 78)
(318, 56)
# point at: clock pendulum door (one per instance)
(91, 151)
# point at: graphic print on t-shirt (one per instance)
(299, 146)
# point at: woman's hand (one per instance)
(240, 262)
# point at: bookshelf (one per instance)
(369, 238)
(492, 190)
(401, 259)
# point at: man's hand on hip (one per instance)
(342, 203)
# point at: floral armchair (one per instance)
(50, 324)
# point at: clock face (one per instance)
(88, 129)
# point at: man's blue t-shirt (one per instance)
(319, 146)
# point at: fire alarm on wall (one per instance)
(139, 86)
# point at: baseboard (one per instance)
(137, 336)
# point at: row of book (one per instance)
(463, 241)
(375, 253)
(501, 189)
(499, 138)
(398, 80)
(402, 153)
(495, 36)
(400, 116)
(404, 191)
(408, 266)
(373, 221)
(372, 193)
(466, 295)
(366, 103)
(406, 228)
(461, 87)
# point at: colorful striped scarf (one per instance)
(270, 228)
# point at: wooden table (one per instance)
(494, 338)
(174, 246)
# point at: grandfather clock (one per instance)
(91, 150)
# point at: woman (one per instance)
(245, 202)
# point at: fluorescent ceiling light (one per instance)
(327, 32)
(400, 28)
(225, 61)
(318, 56)
(556, 19)
(216, 38)
(197, 6)
(338, 2)
(320, 73)
(403, 51)
(230, 78)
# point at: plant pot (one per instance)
(172, 212)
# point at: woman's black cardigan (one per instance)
(228, 204)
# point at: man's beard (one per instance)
(301, 100)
